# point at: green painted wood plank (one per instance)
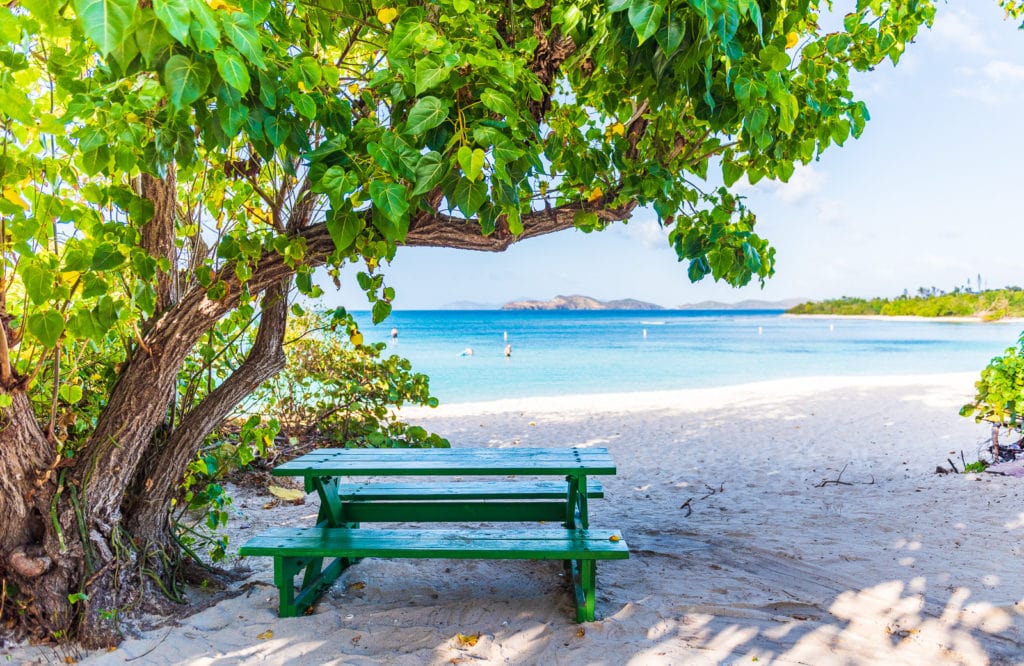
(460, 490)
(537, 544)
(454, 512)
(468, 462)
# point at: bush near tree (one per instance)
(171, 169)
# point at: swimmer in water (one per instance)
(508, 351)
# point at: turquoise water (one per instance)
(559, 353)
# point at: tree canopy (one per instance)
(171, 169)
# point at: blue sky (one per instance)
(931, 194)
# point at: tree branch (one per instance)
(158, 232)
(156, 478)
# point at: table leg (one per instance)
(576, 502)
(585, 588)
(332, 510)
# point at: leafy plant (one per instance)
(345, 391)
(975, 467)
(1000, 394)
(1000, 391)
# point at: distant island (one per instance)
(988, 305)
(577, 302)
(743, 305)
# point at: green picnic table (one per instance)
(525, 487)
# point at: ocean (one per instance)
(580, 352)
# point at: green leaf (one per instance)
(787, 112)
(203, 28)
(381, 310)
(430, 71)
(731, 172)
(46, 327)
(304, 104)
(471, 161)
(186, 80)
(107, 257)
(644, 16)
(469, 196)
(617, 5)
(105, 21)
(232, 69)
(243, 36)
(429, 171)
(70, 393)
(498, 102)
(754, 11)
(175, 16)
(38, 282)
(392, 200)
(426, 114)
(670, 35)
(344, 229)
(257, 9)
(82, 324)
(151, 37)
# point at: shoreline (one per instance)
(917, 318)
(690, 399)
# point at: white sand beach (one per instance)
(765, 564)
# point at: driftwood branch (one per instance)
(838, 481)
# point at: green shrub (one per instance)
(1000, 391)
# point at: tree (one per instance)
(171, 169)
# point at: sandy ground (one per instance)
(765, 564)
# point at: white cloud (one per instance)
(647, 231)
(1002, 71)
(960, 29)
(991, 84)
(803, 184)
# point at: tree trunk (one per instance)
(159, 474)
(37, 562)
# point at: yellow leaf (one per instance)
(265, 635)
(791, 40)
(69, 277)
(596, 194)
(581, 632)
(287, 494)
(302, 86)
(358, 585)
(220, 4)
(131, 117)
(353, 88)
(615, 537)
(617, 128)
(15, 198)
(356, 338)
(386, 14)
(467, 640)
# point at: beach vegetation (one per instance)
(976, 467)
(988, 305)
(174, 172)
(999, 397)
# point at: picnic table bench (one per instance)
(344, 507)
